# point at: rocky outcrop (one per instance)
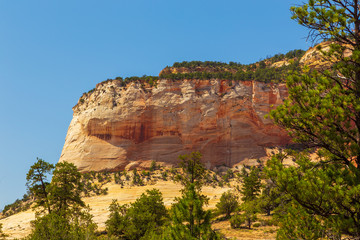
(116, 127)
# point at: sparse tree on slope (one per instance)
(251, 184)
(37, 182)
(69, 217)
(228, 203)
(250, 191)
(116, 223)
(3, 236)
(189, 219)
(269, 198)
(144, 217)
(193, 171)
(53, 226)
(66, 188)
(147, 214)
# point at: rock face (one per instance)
(119, 127)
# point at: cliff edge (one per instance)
(117, 127)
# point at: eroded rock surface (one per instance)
(119, 127)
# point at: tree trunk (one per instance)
(45, 193)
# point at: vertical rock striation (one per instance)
(116, 127)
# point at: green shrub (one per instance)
(268, 222)
(153, 166)
(256, 224)
(164, 175)
(228, 203)
(2, 234)
(236, 221)
(146, 214)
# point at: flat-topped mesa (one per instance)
(117, 127)
(212, 107)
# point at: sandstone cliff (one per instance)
(116, 127)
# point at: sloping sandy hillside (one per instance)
(18, 225)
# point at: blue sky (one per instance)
(53, 51)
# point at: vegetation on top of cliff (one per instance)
(262, 71)
(208, 64)
(297, 53)
(151, 80)
(253, 72)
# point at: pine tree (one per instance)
(188, 216)
(269, 198)
(189, 219)
(153, 166)
(193, 171)
(228, 203)
(146, 214)
(251, 184)
(323, 114)
(66, 188)
(142, 218)
(53, 226)
(116, 223)
(250, 191)
(69, 217)
(37, 182)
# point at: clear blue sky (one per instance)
(53, 51)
